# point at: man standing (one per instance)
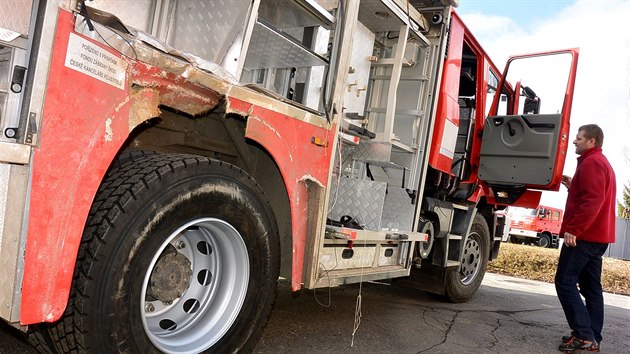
(588, 227)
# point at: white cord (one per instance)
(340, 144)
(357, 308)
(357, 311)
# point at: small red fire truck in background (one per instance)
(541, 227)
(164, 162)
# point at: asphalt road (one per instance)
(508, 315)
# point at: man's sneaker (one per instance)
(567, 339)
(574, 344)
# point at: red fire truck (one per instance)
(541, 227)
(164, 162)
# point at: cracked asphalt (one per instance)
(507, 315)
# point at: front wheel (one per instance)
(544, 241)
(180, 255)
(462, 283)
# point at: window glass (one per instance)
(493, 82)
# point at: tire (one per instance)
(39, 339)
(544, 241)
(180, 254)
(462, 283)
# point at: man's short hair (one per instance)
(593, 131)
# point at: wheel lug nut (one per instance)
(149, 307)
(180, 244)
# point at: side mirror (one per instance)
(532, 102)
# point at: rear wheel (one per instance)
(462, 283)
(180, 254)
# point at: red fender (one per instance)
(85, 123)
(290, 142)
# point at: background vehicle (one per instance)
(163, 162)
(540, 227)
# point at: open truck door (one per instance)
(526, 133)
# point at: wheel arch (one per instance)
(68, 168)
(66, 175)
(276, 149)
(85, 126)
(268, 175)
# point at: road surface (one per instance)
(508, 315)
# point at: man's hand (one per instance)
(566, 181)
(570, 239)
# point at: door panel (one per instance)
(527, 148)
(519, 149)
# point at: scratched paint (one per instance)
(109, 133)
(311, 179)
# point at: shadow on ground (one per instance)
(498, 319)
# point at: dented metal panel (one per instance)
(67, 168)
(301, 163)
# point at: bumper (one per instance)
(523, 233)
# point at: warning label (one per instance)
(88, 58)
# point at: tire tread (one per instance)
(130, 175)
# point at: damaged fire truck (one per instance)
(164, 162)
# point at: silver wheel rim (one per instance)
(207, 303)
(471, 259)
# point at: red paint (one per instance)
(68, 166)
(448, 106)
(562, 143)
(484, 65)
(85, 122)
(288, 140)
(529, 199)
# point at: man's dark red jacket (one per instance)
(591, 204)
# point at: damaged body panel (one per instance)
(153, 81)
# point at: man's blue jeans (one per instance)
(582, 265)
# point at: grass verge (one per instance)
(538, 263)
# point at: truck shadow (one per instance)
(499, 319)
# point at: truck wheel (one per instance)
(462, 283)
(180, 254)
(544, 241)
